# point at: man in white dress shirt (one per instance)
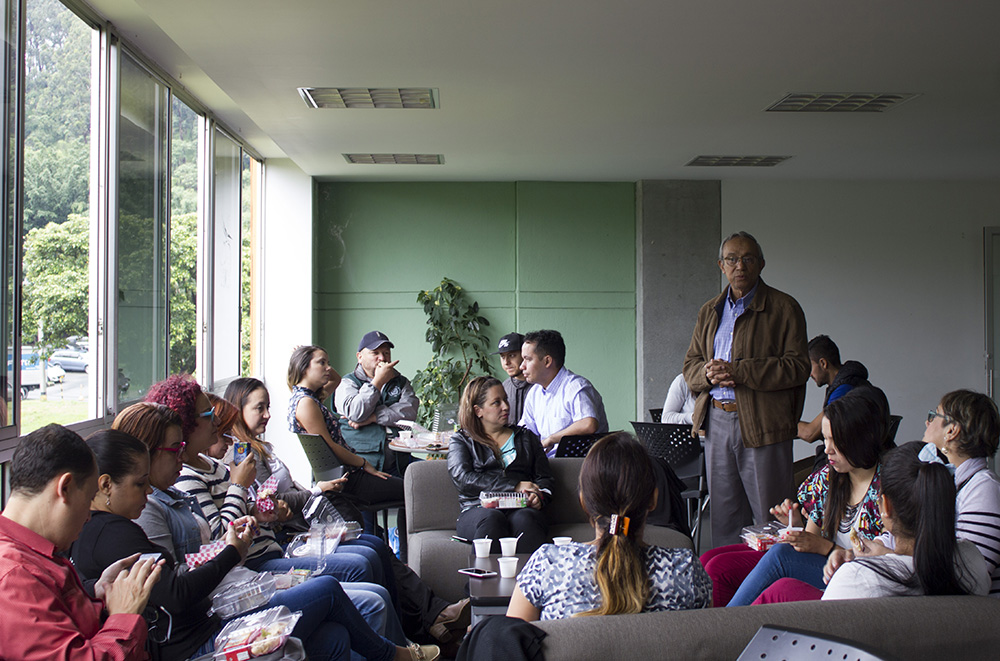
(560, 403)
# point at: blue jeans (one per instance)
(780, 561)
(345, 567)
(330, 626)
(375, 606)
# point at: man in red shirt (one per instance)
(49, 614)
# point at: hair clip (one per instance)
(619, 524)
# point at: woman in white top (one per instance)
(678, 407)
(918, 508)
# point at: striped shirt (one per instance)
(723, 347)
(222, 502)
(978, 509)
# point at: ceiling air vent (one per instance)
(369, 97)
(395, 159)
(738, 161)
(839, 102)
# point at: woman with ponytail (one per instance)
(617, 573)
(918, 508)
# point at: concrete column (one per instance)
(678, 229)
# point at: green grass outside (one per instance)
(36, 413)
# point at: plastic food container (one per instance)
(762, 537)
(255, 635)
(505, 500)
(243, 596)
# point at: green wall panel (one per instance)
(407, 236)
(535, 255)
(576, 237)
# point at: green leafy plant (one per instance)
(455, 333)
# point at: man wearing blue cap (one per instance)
(372, 399)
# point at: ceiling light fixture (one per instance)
(738, 161)
(856, 102)
(369, 97)
(394, 159)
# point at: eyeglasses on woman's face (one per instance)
(931, 414)
(177, 450)
(210, 414)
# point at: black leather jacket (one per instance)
(474, 468)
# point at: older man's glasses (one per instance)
(748, 260)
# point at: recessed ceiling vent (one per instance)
(395, 159)
(738, 161)
(839, 102)
(369, 97)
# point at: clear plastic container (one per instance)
(243, 596)
(256, 634)
(317, 544)
(505, 500)
(762, 537)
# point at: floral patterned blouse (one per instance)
(812, 497)
(332, 426)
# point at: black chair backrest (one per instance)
(894, 421)
(577, 446)
(656, 414)
(674, 443)
(324, 463)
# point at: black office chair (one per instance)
(676, 445)
(577, 446)
(776, 642)
(656, 415)
(326, 466)
(894, 421)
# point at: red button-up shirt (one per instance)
(48, 615)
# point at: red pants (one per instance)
(728, 566)
(788, 589)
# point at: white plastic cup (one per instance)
(482, 547)
(561, 541)
(782, 533)
(508, 567)
(508, 546)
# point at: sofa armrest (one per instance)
(431, 497)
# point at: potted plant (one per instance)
(455, 333)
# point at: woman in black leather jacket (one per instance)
(488, 455)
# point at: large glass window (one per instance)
(249, 276)
(142, 230)
(226, 271)
(184, 195)
(57, 219)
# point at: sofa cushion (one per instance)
(900, 627)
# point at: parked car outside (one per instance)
(71, 360)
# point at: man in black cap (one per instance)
(516, 387)
(372, 399)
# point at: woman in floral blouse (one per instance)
(838, 500)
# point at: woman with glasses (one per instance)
(129, 469)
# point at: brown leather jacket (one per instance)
(770, 365)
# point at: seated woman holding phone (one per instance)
(487, 455)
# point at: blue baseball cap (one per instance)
(374, 340)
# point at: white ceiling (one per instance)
(584, 90)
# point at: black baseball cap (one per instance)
(373, 340)
(509, 342)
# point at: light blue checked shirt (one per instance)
(723, 346)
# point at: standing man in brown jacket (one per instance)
(748, 364)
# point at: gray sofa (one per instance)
(904, 628)
(432, 509)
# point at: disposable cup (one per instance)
(561, 541)
(784, 531)
(482, 547)
(508, 546)
(508, 567)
